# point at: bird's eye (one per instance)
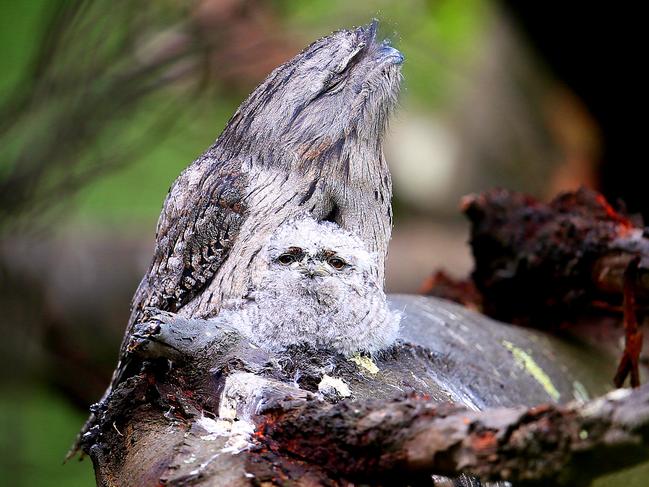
(337, 263)
(350, 58)
(286, 259)
(335, 84)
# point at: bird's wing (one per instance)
(198, 225)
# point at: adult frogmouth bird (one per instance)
(308, 139)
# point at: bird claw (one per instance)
(152, 335)
(169, 335)
(142, 336)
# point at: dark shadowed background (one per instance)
(103, 103)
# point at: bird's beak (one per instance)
(384, 49)
(314, 270)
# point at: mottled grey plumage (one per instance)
(318, 286)
(307, 139)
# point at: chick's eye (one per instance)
(286, 259)
(337, 263)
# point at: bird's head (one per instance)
(340, 87)
(318, 259)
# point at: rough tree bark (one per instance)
(457, 394)
(412, 438)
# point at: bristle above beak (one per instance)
(369, 31)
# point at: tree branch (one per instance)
(528, 446)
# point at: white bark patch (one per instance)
(333, 385)
(242, 398)
(238, 432)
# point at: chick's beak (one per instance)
(312, 269)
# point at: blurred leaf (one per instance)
(96, 65)
(37, 429)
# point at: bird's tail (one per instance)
(95, 411)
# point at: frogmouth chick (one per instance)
(318, 287)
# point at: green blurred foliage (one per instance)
(135, 193)
(38, 427)
(438, 37)
(20, 24)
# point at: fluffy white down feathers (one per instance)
(318, 287)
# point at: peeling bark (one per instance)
(387, 441)
(544, 264)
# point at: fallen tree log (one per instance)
(214, 410)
